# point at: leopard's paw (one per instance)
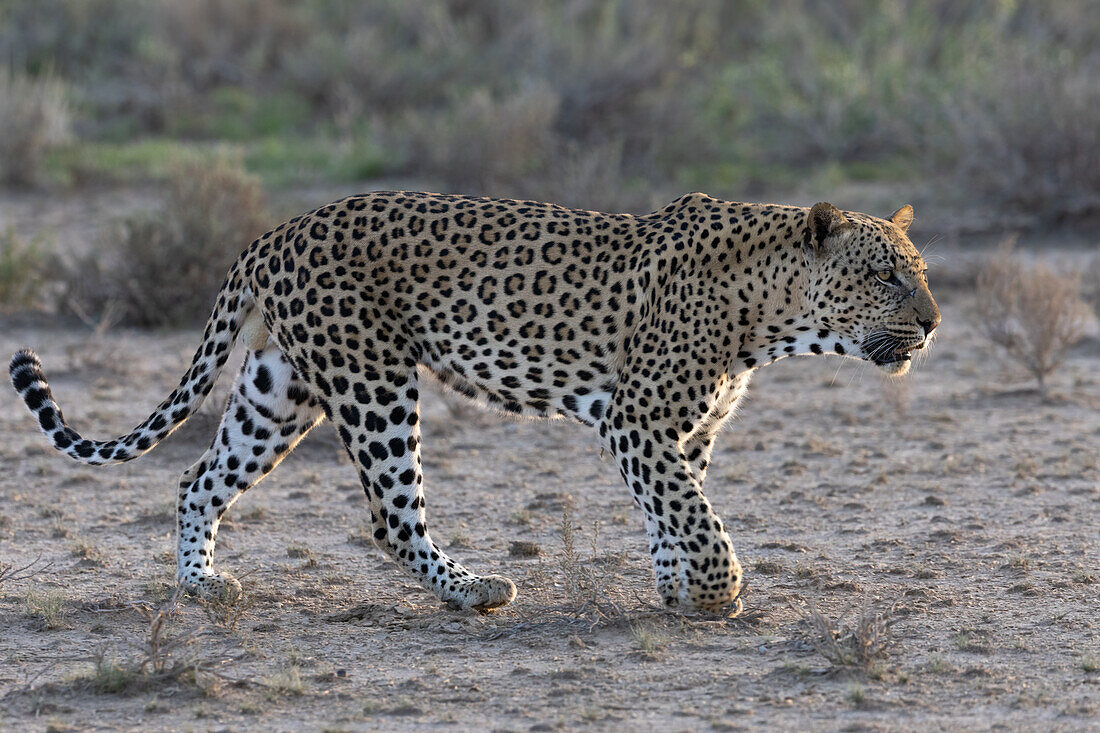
(483, 593)
(721, 596)
(222, 586)
(669, 590)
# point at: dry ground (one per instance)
(956, 504)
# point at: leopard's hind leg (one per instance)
(379, 422)
(268, 412)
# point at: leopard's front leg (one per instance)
(649, 439)
(697, 449)
(665, 556)
(663, 548)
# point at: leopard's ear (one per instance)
(823, 221)
(902, 218)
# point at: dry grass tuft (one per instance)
(860, 645)
(88, 553)
(769, 567)
(649, 640)
(48, 608)
(1031, 312)
(159, 651)
(286, 681)
(524, 548)
(162, 658)
(226, 609)
(111, 676)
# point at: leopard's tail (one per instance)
(233, 305)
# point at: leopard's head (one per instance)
(867, 285)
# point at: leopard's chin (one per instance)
(896, 368)
(897, 360)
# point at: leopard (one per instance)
(646, 328)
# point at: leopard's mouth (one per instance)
(891, 353)
(903, 353)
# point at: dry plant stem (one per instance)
(589, 593)
(157, 648)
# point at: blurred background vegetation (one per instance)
(960, 106)
(585, 101)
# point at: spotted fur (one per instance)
(646, 328)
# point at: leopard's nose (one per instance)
(930, 325)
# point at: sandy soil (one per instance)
(956, 504)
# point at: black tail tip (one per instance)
(24, 358)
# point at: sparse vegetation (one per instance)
(1031, 312)
(160, 589)
(1084, 577)
(939, 665)
(523, 548)
(87, 552)
(286, 681)
(158, 658)
(301, 552)
(11, 572)
(769, 567)
(459, 539)
(109, 675)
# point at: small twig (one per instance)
(10, 573)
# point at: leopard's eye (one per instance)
(885, 275)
